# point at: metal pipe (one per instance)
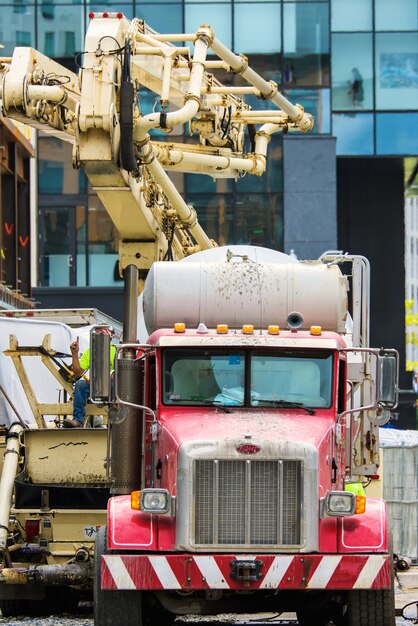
(186, 213)
(65, 574)
(209, 160)
(10, 465)
(192, 104)
(232, 90)
(174, 37)
(216, 65)
(267, 89)
(52, 93)
(130, 306)
(159, 51)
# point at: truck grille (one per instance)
(247, 502)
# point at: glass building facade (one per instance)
(353, 64)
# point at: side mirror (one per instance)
(387, 392)
(100, 382)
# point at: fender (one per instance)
(367, 532)
(134, 530)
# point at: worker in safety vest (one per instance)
(82, 386)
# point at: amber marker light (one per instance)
(360, 504)
(316, 330)
(273, 330)
(248, 329)
(135, 500)
(179, 327)
(222, 329)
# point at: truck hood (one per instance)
(247, 426)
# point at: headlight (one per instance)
(154, 501)
(340, 503)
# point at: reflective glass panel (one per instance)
(259, 220)
(56, 174)
(397, 71)
(62, 28)
(215, 213)
(354, 133)
(220, 19)
(352, 71)
(306, 43)
(103, 240)
(17, 27)
(351, 15)
(317, 102)
(396, 133)
(56, 249)
(164, 18)
(396, 16)
(257, 30)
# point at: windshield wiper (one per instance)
(286, 404)
(205, 401)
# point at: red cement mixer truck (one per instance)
(253, 421)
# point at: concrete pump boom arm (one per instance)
(101, 113)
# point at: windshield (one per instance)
(303, 377)
(286, 379)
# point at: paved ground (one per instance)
(406, 592)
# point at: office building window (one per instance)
(23, 38)
(56, 174)
(352, 74)
(400, 16)
(49, 47)
(348, 15)
(19, 6)
(306, 43)
(68, 25)
(354, 133)
(69, 45)
(164, 18)
(47, 10)
(257, 30)
(396, 71)
(395, 134)
(317, 102)
(102, 245)
(220, 19)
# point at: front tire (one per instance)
(371, 608)
(110, 607)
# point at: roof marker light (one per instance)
(179, 327)
(273, 329)
(105, 14)
(316, 330)
(119, 15)
(222, 329)
(202, 329)
(248, 329)
(91, 15)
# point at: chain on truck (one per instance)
(239, 433)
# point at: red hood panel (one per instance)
(263, 426)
